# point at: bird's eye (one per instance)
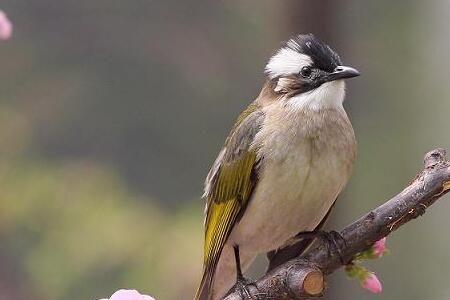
(306, 71)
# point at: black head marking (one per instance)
(323, 57)
(303, 64)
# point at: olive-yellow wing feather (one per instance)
(228, 188)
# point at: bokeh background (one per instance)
(111, 113)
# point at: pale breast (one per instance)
(305, 167)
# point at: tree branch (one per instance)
(303, 277)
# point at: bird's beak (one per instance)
(342, 72)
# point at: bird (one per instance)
(282, 166)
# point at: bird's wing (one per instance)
(228, 188)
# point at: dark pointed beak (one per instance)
(342, 72)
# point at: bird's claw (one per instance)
(334, 242)
(241, 287)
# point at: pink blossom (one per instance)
(128, 295)
(5, 27)
(379, 248)
(371, 283)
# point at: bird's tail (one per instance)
(215, 284)
(204, 289)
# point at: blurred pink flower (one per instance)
(5, 26)
(379, 248)
(128, 295)
(371, 283)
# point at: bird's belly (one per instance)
(293, 195)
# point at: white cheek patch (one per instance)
(287, 61)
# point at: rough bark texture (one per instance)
(302, 277)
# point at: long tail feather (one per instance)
(204, 290)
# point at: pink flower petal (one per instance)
(128, 295)
(5, 27)
(379, 247)
(372, 284)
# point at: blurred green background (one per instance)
(111, 113)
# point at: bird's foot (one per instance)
(333, 241)
(241, 287)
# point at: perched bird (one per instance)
(283, 165)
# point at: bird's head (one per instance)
(307, 72)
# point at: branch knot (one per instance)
(435, 157)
